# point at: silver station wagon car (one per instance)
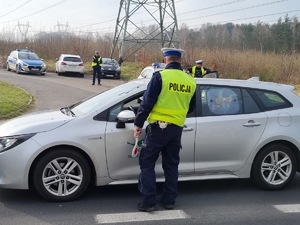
(239, 129)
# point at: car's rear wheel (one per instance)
(274, 167)
(61, 175)
(7, 67)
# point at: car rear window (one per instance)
(72, 59)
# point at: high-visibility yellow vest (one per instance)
(173, 102)
(194, 70)
(95, 64)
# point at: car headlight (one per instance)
(43, 65)
(24, 64)
(7, 143)
(118, 69)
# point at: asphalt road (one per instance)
(217, 202)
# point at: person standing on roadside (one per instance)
(170, 95)
(96, 65)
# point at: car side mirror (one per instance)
(125, 116)
(56, 59)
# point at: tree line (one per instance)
(281, 37)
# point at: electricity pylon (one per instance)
(129, 37)
(62, 27)
(23, 28)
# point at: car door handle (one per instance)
(186, 128)
(251, 123)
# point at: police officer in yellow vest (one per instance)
(170, 95)
(198, 70)
(96, 65)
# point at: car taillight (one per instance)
(80, 64)
(63, 63)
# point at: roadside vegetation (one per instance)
(13, 100)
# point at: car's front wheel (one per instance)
(274, 167)
(18, 69)
(61, 175)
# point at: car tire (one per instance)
(274, 167)
(59, 74)
(54, 182)
(7, 67)
(81, 75)
(43, 74)
(17, 69)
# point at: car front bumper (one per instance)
(15, 165)
(32, 69)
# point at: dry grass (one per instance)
(243, 65)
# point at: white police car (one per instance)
(149, 70)
(25, 61)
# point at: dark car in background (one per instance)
(25, 61)
(110, 68)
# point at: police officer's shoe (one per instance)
(167, 206)
(144, 208)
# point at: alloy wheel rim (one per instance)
(62, 176)
(276, 167)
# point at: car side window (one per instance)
(250, 105)
(130, 104)
(220, 100)
(270, 100)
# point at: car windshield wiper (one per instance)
(67, 111)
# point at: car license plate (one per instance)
(34, 69)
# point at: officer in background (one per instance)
(170, 95)
(96, 65)
(198, 70)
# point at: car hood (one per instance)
(107, 66)
(33, 62)
(34, 123)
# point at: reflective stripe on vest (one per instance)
(173, 102)
(95, 64)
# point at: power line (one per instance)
(236, 10)
(37, 12)
(18, 7)
(212, 7)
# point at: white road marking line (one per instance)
(291, 208)
(141, 216)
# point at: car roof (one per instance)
(252, 82)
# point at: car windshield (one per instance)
(27, 55)
(98, 102)
(109, 61)
(72, 59)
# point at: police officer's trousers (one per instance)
(167, 142)
(96, 74)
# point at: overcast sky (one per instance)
(100, 15)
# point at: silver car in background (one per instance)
(239, 129)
